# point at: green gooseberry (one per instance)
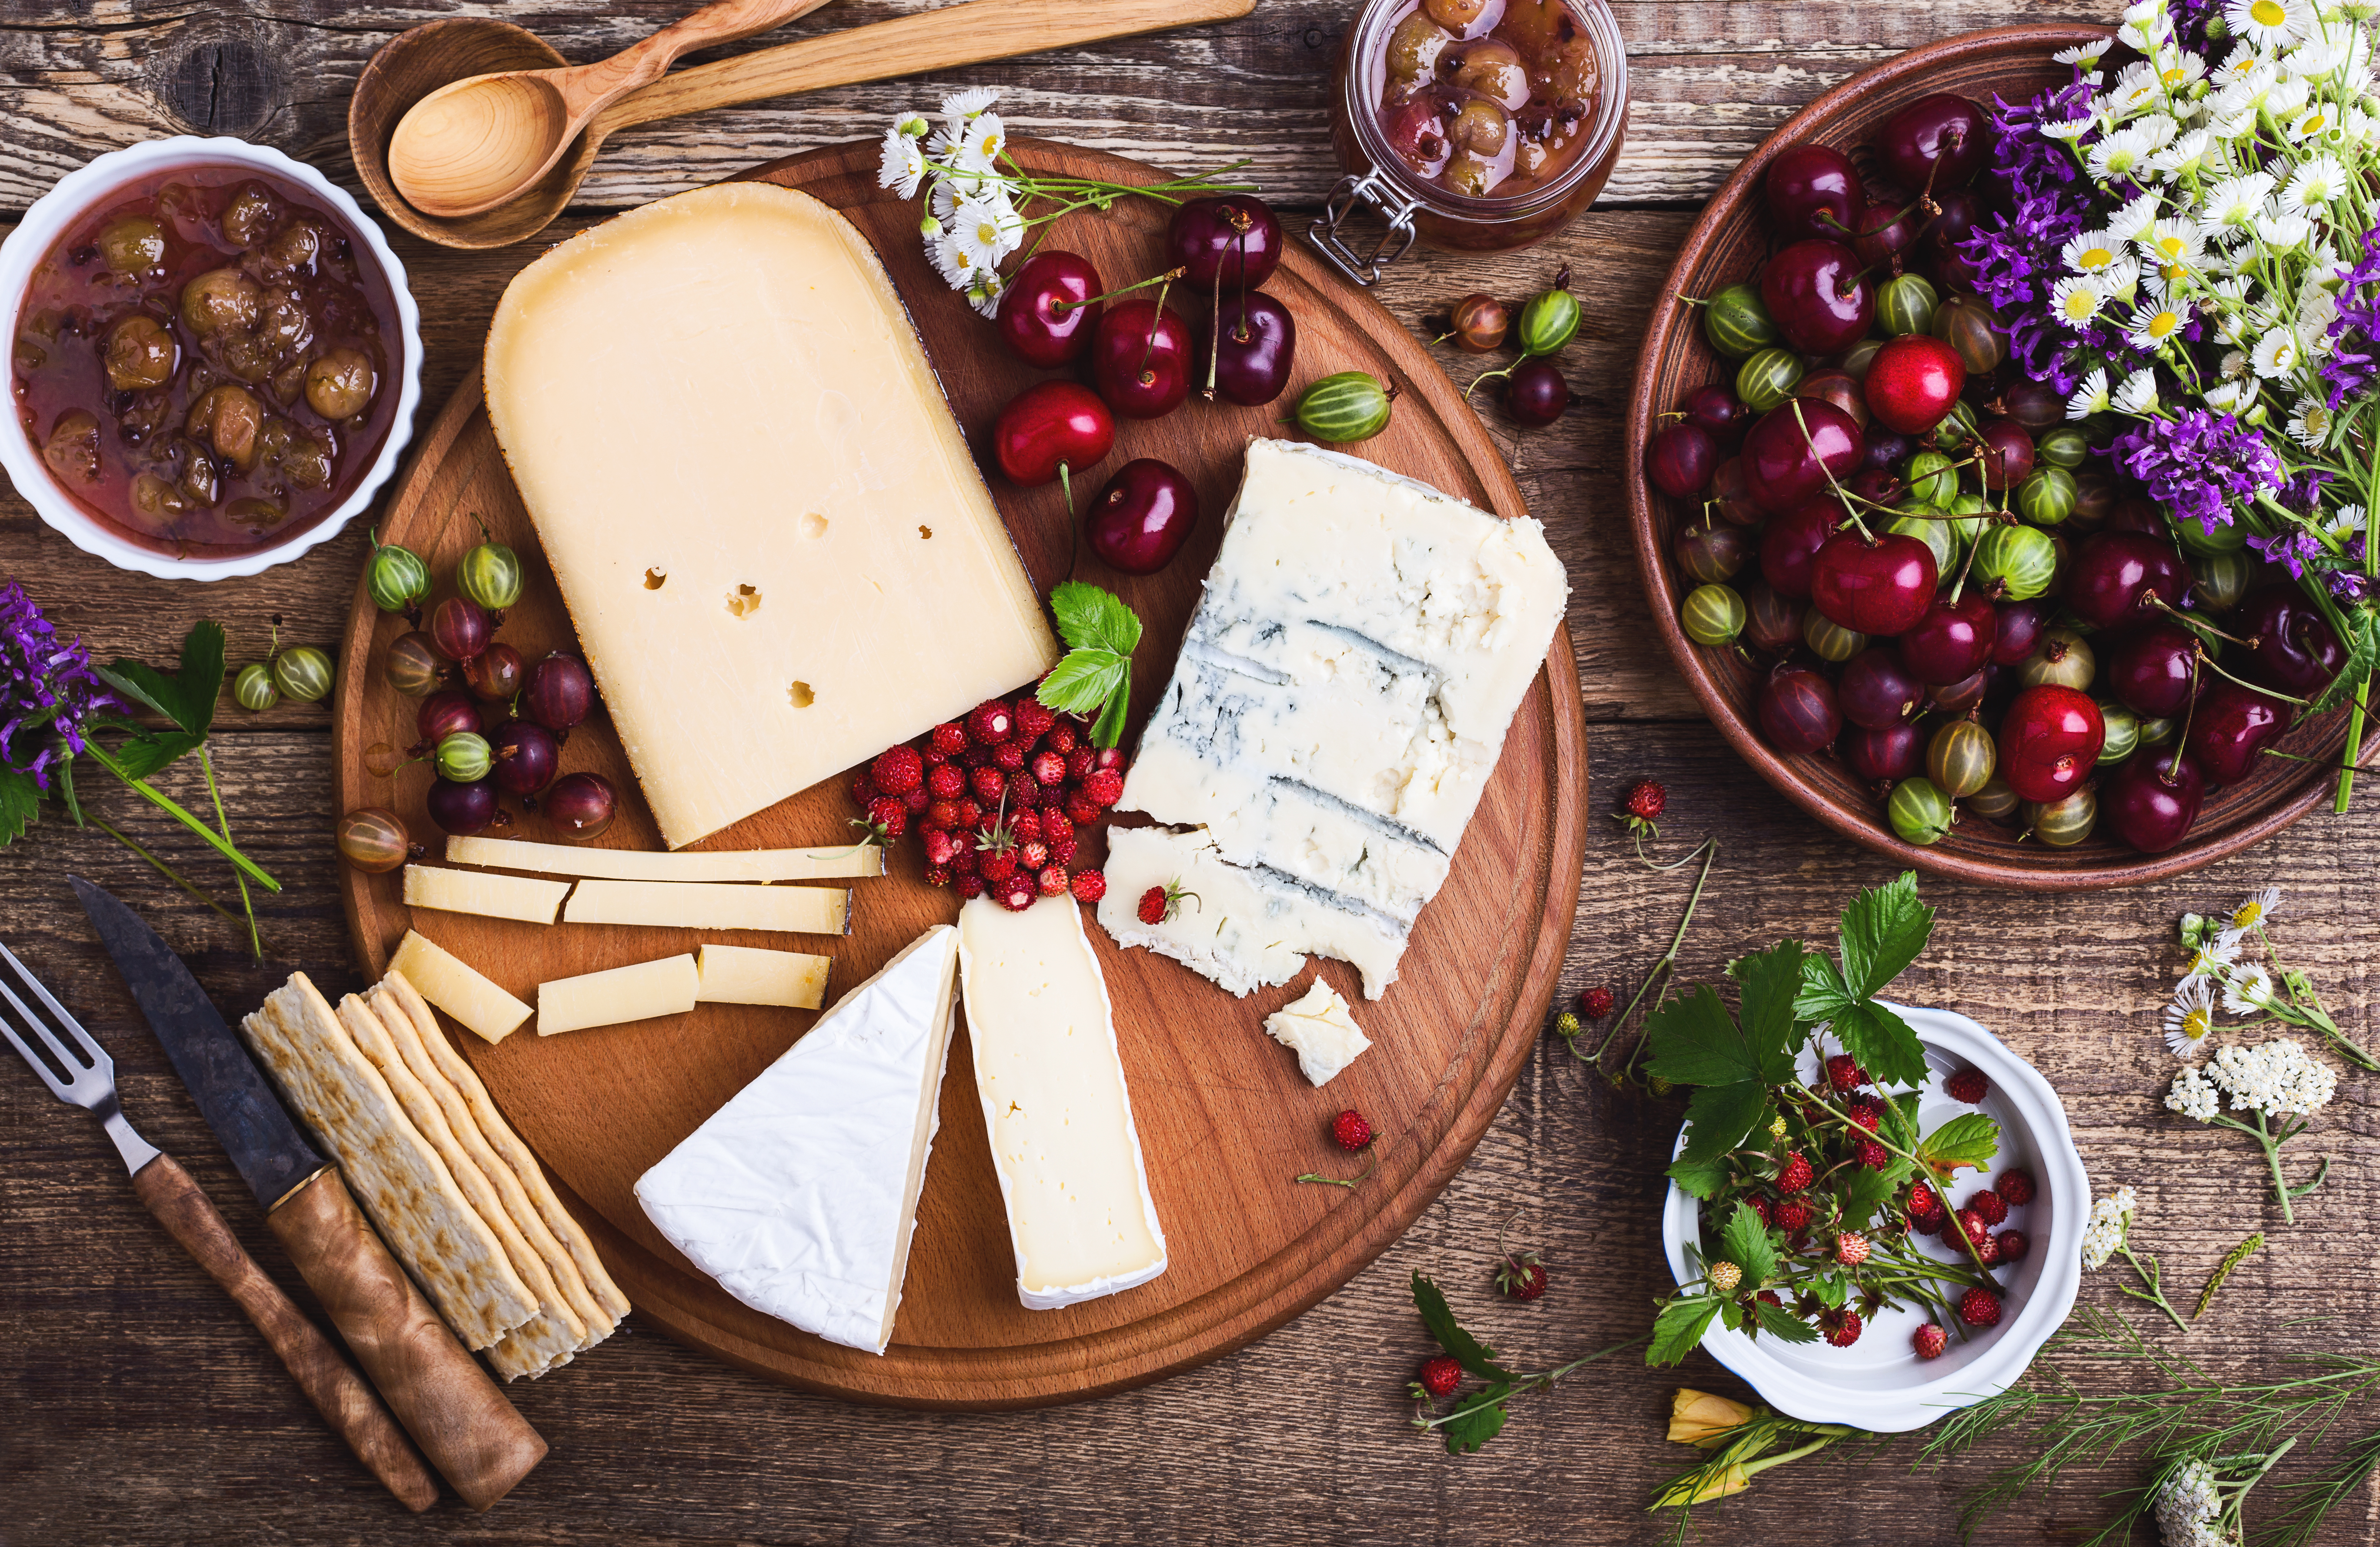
(1918, 811)
(398, 578)
(253, 688)
(1714, 615)
(464, 756)
(1934, 478)
(1550, 319)
(303, 673)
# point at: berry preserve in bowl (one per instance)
(1473, 125)
(212, 362)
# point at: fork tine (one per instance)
(74, 1069)
(99, 1057)
(26, 1053)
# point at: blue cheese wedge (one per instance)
(1322, 1030)
(799, 1195)
(1339, 704)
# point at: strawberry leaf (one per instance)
(1862, 1192)
(1969, 1139)
(1680, 1328)
(145, 753)
(1082, 682)
(1746, 1242)
(186, 697)
(1779, 1322)
(1704, 1178)
(1770, 985)
(1718, 1118)
(1477, 1420)
(1883, 931)
(1881, 1041)
(21, 803)
(1090, 619)
(1466, 1350)
(1695, 1041)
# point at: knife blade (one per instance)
(452, 1408)
(257, 1131)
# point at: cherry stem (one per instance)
(2191, 621)
(2200, 651)
(1165, 278)
(1840, 493)
(1156, 321)
(1214, 350)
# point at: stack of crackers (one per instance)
(452, 1189)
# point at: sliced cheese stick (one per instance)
(666, 987)
(458, 988)
(490, 896)
(633, 864)
(705, 906)
(749, 975)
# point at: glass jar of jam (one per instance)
(1477, 126)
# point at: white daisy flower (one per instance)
(2313, 185)
(2312, 124)
(2110, 1223)
(2085, 56)
(2077, 301)
(2160, 128)
(2213, 958)
(2189, 1018)
(2152, 325)
(2259, 905)
(2231, 127)
(2091, 253)
(2173, 241)
(2269, 23)
(2136, 90)
(2236, 202)
(2317, 56)
(2226, 397)
(2146, 31)
(2237, 66)
(2193, 1095)
(2118, 156)
(2288, 93)
(2276, 354)
(2090, 397)
(981, 144)
(986, 230)
(904, 165)
(2310, 426)
(2316, 310)
(2138, 396)
(956, 267)
(959, 106)
(2070, 128)
(2180, 70)
(2346, 522)
(2283, 231)
(2247, 989)
(2134, 219)
(2186, 157)
(984, 293)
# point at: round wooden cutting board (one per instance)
(1225, 1119)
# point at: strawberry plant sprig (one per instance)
(1478, 1416)
(1094, 678)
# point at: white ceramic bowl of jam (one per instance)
(214, 360)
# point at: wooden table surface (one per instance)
(141, 1409)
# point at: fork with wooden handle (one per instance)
(343, 1397)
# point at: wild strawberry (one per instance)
(1033, 854)
(1521, 1276)
(1062, 846)
(1768, 1297)
(1842, 1327)
(1987, 1252)
(1023, 793)
(1016, 894)
(1796, 1174)
(976, 757)
(1926, 1204)
(938, 875)
(1971, 1225)
(1081, 811)
(1869, 1153)
(1034, 718)
(1090, 886)
(941, 814)
(1844, 1073)
(1109, 757)
(916, 802)
(1079, 762)
(967, 884)
(1009, 756)
(970, 815)
(1594, 1004)
(1979, 1307)
(947, 783)
(863, 791)
(1440, 1376)
(989, 785)
(898, 770)
(1929, 1341)
(1025, 827)
(1051, 882)
(1723, 1277)
(950, 739)
(2013, 1245)
(1104, 787)
(1060, 738)
(1048, 767)
(2016, 1187)
(964, 861)
(1760, 1206)
(1794, 1215)
(1968, 1086)
(933, 759)
(1991, 1205)
(995, 854)
(1867, 1112)
(991, 722)
(1851, 1248)
(887, 812)
(940, 847)
(1351, 1130)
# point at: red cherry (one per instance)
(2115, 574)
(1878, 486)
(1797, 709)
(1796, 450)
(1883, 235)
(2050, 740)
(1679, 457)
(2296, 651)
(1937, 140)
(2020, 628)
(1961, 210)
(1817, 296)
(1812, 191)
(1142, 517)
(1248, 349)
(1140, 359)
(2154, 670)
(2005, 457)
(2138, 516)
(1950, 642)
(1228, 242)
(2153, 799)
(1047, 315)
(1788, 546)
(1050, 425)
(2230, 727)
(1912, 382)
(1883, 756)
(1879, 588)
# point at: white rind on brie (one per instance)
(799, 1196)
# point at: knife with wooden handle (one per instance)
(446, 1401)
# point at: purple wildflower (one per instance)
(45, 685)
(2303, 493)
(2199, 463)
(2291, 548)
(2355, 358)
(2348, 582)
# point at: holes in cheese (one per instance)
(457, 988)
(801, 695)
(702, 905)
(656, 578)
(666, 987)
(490, 896)
(742, 602)
(630, 864)
(816, 382)
(749, 975)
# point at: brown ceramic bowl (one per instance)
(1727, 245)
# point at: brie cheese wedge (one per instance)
(800, 1194)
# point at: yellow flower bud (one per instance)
(1699, 1418)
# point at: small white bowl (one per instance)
(69, 201)
(1878, 1382)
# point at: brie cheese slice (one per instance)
(800, 1194)
(1320, 1031)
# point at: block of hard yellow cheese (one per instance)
(643, 864)
(491, 896)
(749, 974)
(457, 988)
(774, 545)
(666, 987)
(705, 906)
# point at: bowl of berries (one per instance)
(1914, 590)
(1911, 1247)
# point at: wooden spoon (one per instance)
(472, 145)
(417, 63)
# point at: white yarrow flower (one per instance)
(2138, 396)
(2276, 354)
(2190, 1017)
(2314, 186)
(2277, 1078)
(2193, 1095)
(2111, 1221)
(2247, 989)
(2090, 397)
(904, 164)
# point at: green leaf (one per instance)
(1882, 1042)
(1771, 983)
(1779, 1322)
(1695, 1041)
(1704, 1178)
(1862, 1192)
(1478, 1418)
(1466, 1350)
(1970, 1138)
(1090, 619)
(1108, 729)
(1883, 931)
(147, 751)
(1082, 682)
(1823, 995)
(21, 803)
(1831, 1291)
(1745, 1241)
(1718, 1116)
(1680, 1327)
(1900, 1118)
(186, 697)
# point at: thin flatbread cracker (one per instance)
(555, 1329)
(394, 1174)
(507, 1145)
(407, 1037)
